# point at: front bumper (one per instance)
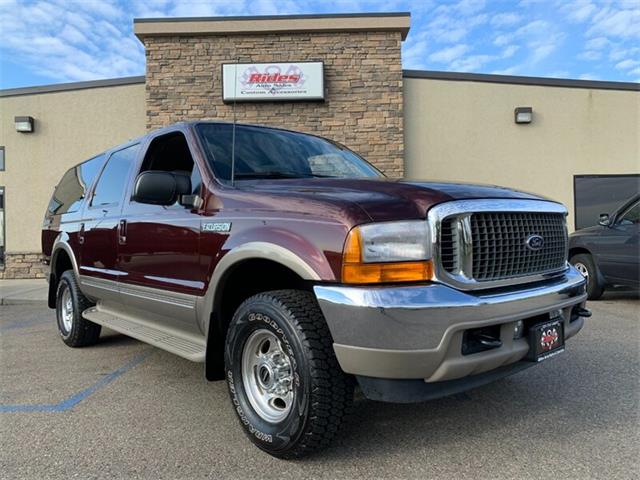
(416, 332)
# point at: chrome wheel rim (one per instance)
(582, 268)
(66, 311)
(267, 376)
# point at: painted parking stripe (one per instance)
(72, 401)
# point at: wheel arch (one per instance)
(234, 280)
(62, 259)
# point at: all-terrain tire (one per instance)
(322, 392)
(584, 263)
(81, 332)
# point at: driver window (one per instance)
(631, 216)
(170, 153)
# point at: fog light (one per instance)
(518, 330)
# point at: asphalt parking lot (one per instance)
(123, 409)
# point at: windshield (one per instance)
(271, 153)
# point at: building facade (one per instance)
(431, 125)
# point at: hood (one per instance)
(380, 199)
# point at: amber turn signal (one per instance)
(356, 271)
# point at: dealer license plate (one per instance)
(546, 340)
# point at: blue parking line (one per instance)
(72, 401)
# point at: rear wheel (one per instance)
(586, 266)
(284, 381)
(75, 330)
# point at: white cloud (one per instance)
(579, 10)
(450, 54)
(627, 64)
(619, 23)
(505, 19)
(469, 7)
(510, 51)
(597, 43)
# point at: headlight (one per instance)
(388, 252)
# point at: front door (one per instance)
(619, 254)
(159, 245)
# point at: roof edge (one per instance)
(65, 87)
(521, 80)
(268, 24)
(271, 17)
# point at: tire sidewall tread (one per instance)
(323, 392)
(83, 332)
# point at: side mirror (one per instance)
(604, 220)
(156, 188)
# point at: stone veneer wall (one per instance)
(363, 86)
(23, 265)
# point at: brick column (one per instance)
(363, 81)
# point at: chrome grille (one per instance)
(449, 251)
(500, 248)
(498, 245)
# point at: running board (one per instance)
(188, 348)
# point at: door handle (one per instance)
(81, 234)
(122, 232)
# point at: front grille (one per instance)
(449, 246)
(499, 245)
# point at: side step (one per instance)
(189, 348)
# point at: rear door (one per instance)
(98, 235)
(158, 257)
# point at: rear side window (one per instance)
(115, 175)
(68, 195)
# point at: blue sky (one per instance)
(55, 41)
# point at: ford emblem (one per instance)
(535, 242)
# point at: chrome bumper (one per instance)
(415, 332)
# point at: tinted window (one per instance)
(270, 153)
(170, 153)
(73, 186)
(115, 175)
(631, 216)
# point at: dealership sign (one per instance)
(272, 81)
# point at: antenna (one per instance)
(233, 128)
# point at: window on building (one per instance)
(113, 180)
(73, 186)
(170, 153)
(1, 159)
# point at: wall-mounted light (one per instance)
(24, 124)
(523, 114)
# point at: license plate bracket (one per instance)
(546, 340)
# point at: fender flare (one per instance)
(248, 251)
(214, 363)
(60, 244)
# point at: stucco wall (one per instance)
(461, 130)
(363, 86)
(70, 127)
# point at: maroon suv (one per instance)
(295, 271)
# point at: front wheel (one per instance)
(284, 380)
(586, 266)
